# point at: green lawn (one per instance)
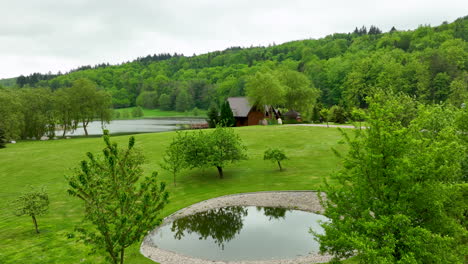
(155, 113)
(47, 162)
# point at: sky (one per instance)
(59, 35)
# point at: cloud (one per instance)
(52, 35)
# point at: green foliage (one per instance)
(173, 159)
(325, 114)
(137, 112)
(264, 88)
(165, 102)
(3, 139)
(33, 203)
(195, 111)
(275, 155)
(217, 148)
(227, 117)
(213, 116)
(337, 114)
(400, 196)
(147, 99)
(300, 94)
(120, 206)
(184, 101)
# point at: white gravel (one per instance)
(299, 200)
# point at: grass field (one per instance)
(155, 113)
(47, 162)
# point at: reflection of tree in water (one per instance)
(273, 212)
(221, 224)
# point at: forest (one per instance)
(338, 71)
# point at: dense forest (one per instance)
(338, 71)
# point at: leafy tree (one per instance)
(33, 203)
(224, 146)
(65, 111)
(337, 114)
(174, 159)
(227, 117)
(183, 101)
(12, 117)
(265, 89)
(275, 155)
(213, 116)
(195, 111)
(399, 197)
(137, 112)
(325, 114)
(165, 102)
(120, 205)
(3, 139)
(147, 99)
(300, 95)
(358, 115)
(89, 103)
(38, 112)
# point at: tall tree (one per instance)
(120, 205)
(227, 117)
(265, 89)
(300, 94)
(400, 196)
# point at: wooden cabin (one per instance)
(246, 114)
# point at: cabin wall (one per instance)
(241, 121)
(255, 117)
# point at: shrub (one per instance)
(275, 155)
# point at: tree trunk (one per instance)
(35, 223)
(64, 131)
(122, 251)
(220, 172)
(84, 127)
(279, 164)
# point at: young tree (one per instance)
(120, 206)
(32, 203)
(213, 116)
(337, 114)
(400, 197)
(174, 158)
(300, 94)
(325, 114)
(227, 117)
(275, 155)
(265, 89)
(224, 146)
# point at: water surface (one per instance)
(242, 233)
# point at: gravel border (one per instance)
(299, 200)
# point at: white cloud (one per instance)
(52, 35)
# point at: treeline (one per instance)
(31, 113)
(429, 63)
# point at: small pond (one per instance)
(135, 126)
(241, 233)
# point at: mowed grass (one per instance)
(155, 113)
(47, 162)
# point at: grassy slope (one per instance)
(153, 113)
(37, 163)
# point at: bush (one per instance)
(337, 114)
(137, 112)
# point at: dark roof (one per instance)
(240, 106)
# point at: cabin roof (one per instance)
(240, 106)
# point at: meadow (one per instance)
(45, 163)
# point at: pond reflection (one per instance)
(241, 233)
(221, 224)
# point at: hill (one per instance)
(429, 63)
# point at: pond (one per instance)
(238, 233)
(135, 126)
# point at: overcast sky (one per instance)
(53, 35)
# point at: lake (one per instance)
(134, 126)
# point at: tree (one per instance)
(33, 203)
(358, 115)
(213, 116)
(300, 94)
(265, 89)
(224, 146)
(137, 112)
(120, 205)
(3, 139)
(12, 117)
(337, 114)
(324, 114)
(400, 195)
(165, 102)
(147, 99)
(227, 117)
(275, 155)
(184, 101)
(89, 103)
(174, 160)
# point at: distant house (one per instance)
(293, 115)
(246, 114)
